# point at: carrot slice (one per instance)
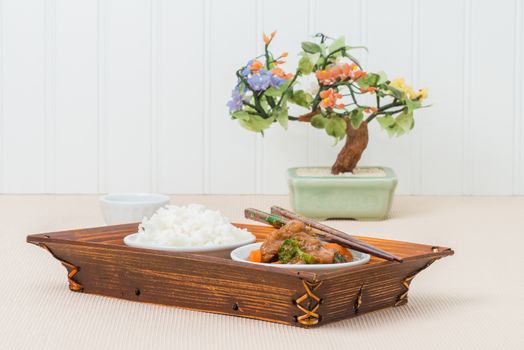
(255, 256)
(342, 250)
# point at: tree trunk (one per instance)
(356, 143)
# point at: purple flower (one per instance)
(245, 72)
(276, 82)
(259, 82)
(235, 103)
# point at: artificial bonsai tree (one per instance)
(343, 101)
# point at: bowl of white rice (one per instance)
(192, 228)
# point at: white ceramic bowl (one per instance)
(242, 253)
(222, 250)
(123, 208)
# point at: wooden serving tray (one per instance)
(98, 262)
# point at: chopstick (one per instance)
(258, 215)
(278, 221)
(336, 234)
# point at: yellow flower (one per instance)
(419, 95)
(423, 93)
(398, 84)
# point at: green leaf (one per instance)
(382, 77)
(250, 110)
(256, 123)
(357, 115)
(399, 130)
(301, 98)
(405, 121)
(412, 105)
(370, 79)
(318, 121)
(310, 47)
(240, 115)
(273, 92)
(396, 92)
(282, 118)
(305, 66)
(394, 130)
(386, 121)
(313, 57)
(337, 44)
(336, 127)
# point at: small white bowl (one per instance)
(242, 253)
(222, 250)
(124, 208)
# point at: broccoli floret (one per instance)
(287, 251)
(308, 258)
(291, 249)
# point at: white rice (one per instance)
(189, 226)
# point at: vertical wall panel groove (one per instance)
(1, 96)
(491, 98)
(71, 97)
(153, 185)
(520, 97)
(50, 94)
(517, 100)
(206, 40)
(440, 69)
(466, 105)
(101, 97)
(232, 151)
(128, 95)
(179, 97)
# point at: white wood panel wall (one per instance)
(114, 95)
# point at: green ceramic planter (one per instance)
(357, 197)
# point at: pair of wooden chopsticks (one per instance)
(280, 216)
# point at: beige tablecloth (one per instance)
(474, 299)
